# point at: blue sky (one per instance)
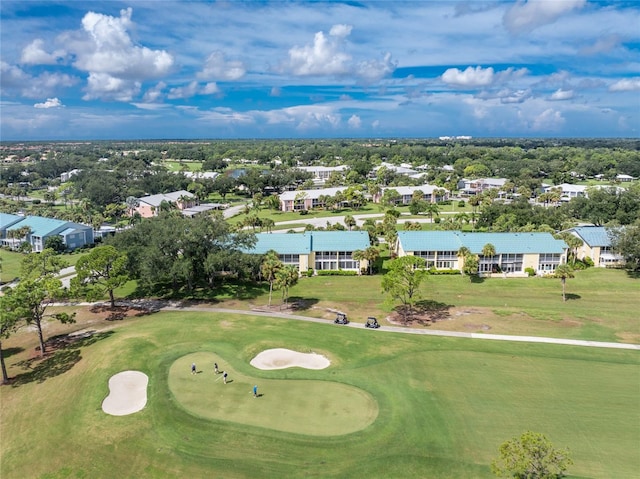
(221, 69)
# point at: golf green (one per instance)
(318, 408)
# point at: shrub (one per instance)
(304, 212)
(437, 219)
(530, 271)
(444, 271)
(309, 272)
(336, 272)
(461, 204)
(445, 202)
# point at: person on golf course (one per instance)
(255, 391)
(224, 377)
(215, 368)
(193, 368)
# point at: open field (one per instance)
(603, 304)
(443, 405)
(11, 262)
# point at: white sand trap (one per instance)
(127, 393)
(281, 358)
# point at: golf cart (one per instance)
(371, 323)
(341, 318)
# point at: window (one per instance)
(511, 263)
(428, 255)
(288, 259)
(334, 260)
(548, 261)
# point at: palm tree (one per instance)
(564, 271)
(432, 209)
(285, 278)
(463, 252)
(489, 251)
(349, 221)
(269, 268)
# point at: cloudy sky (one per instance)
(286, 69)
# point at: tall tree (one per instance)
(8, 324)
(489, 251)
(626, 241)
(564, 272)
(403, 281)
(471, 264)
(531, 456)
(269, 268)
(286, 277)
(102, 271)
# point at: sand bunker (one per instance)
(280, 358)
(127, 393)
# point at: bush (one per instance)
(444, 203)
(588, 261)
(461, 204)
(437, 219)
(304, 212)
(530, 271)
(35, 201)
(309, 272)
(444, 271)
(336, 272)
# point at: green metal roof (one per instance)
(47, 226)
(504, 243)
(7, 220)
(593, 235)
(282, 243)
(304, 243)
(339, 240)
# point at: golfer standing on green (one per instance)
(255, 391)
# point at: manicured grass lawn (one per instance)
(11, 262)
(603, 304)
(443, 405)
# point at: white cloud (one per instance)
(561, 94)
(186, 91)
(35, 54)
(11, 76)
(626, 84)
(217, 67)
(548, 120)
(354, 121)
(602, 45)
(50, 103)
(517, 96)
(14, 79)
(154, 94)
(210, 88)
(471, 77)
(374, 70)
(324, 57)
(105, 86)
(115, 64)
(525, 16)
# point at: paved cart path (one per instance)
(399, 329)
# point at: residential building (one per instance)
(406, 193)
(567, 191)
(299, 200)
(74, 235)
(624, 178)
(514, 251)
(149, 206)
(476, 186)
(403, 169)
(317, 250)
(322, 173)
(597, 246)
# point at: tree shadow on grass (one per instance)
(64, 353)
(571, 296)
(425, 313)
(475, 278)
(633, 274)
(8, 352)
(297, 303)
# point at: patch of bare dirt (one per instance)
(120, 312)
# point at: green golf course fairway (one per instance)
(444, 405)
(319, 408)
